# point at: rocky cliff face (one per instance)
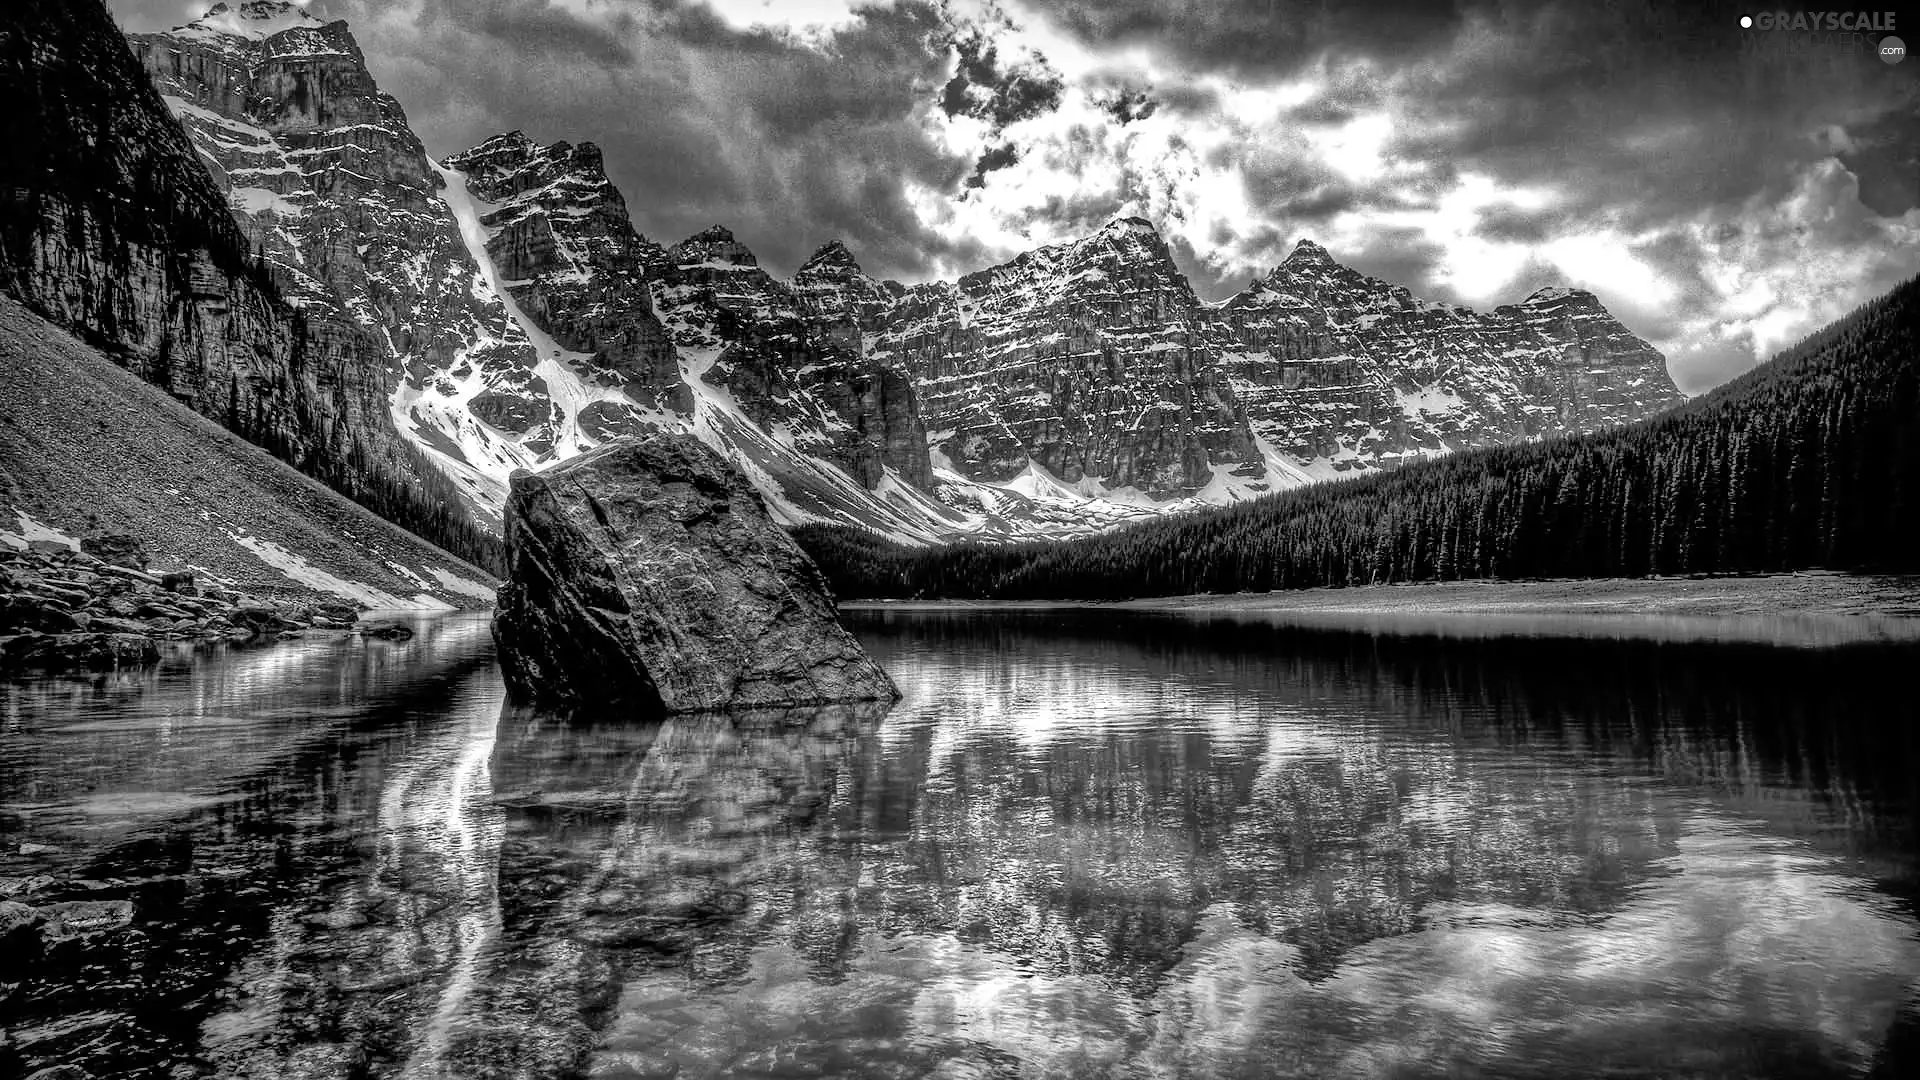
(1088, 359)
(1340, 370)
(566, 252)
(115, 229)
(1095, 362)
(329, 182)
(788, 369)
(696, 338)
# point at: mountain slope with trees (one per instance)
(1812, 460)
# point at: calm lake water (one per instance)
(1087, 843)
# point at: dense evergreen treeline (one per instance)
(1812, 460)
(413, 493)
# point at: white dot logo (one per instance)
(1746, 22)
(1892, 49)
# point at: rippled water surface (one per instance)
(1087, 843)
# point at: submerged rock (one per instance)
(648, 574)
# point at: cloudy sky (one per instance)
(1724, 191)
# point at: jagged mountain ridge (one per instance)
(1084, 384)
(729, 354)
(1346, 369)
(784, 376)
(336, 193)
(1088, 375)
(324, 174)
(1089, 360)
(1072, 388)
(774, 374)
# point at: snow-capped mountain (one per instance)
(695, 337)
(820, 388)
(1093, 364)
(336, 192)
(524, 319)
(1087, 361)
(1338, 370)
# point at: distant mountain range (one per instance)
(498, 310)
(1807, 461)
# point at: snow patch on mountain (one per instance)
(298, 570)
(26, 530)
(257, 20)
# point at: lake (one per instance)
(1087, 843)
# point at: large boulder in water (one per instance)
(648, 574)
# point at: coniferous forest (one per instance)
(1811, 460)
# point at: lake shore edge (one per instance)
(1811, 593)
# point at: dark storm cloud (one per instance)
(1517, 224)
(1397, 254)
(1650, 111)
(999, 157)
(986, 89)
(533, 26)
(1245, 36)
(1885, 154)
(1126, 106)
(1306, 197)
(787, 142)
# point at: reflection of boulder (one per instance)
(629, 845)
(648, 574)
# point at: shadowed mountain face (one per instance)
(112, 228)
(1082, 845)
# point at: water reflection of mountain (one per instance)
(1084, 844)
(1087, 803)
(1332, 785)
(220, 795)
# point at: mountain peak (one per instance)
(516, 137)
(1127, 237)
(498, 153)
(1308, 253)
(1121, 226)
(1550, 293)
(515, 140)
(258, 19)
(834, 254)
(713, 246)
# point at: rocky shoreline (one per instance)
(99, 608)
